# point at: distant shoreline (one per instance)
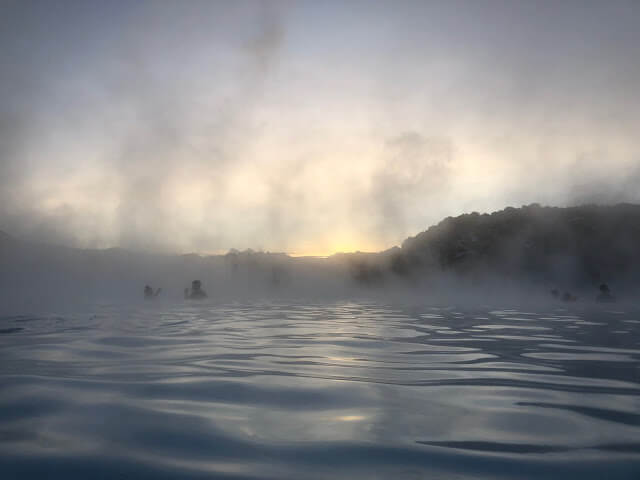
(532, 248)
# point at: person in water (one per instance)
(567, 297)
(605, 294)
(196, 293)
(149, 293)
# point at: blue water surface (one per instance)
(348, 390)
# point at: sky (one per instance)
(308, 127)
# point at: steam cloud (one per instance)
(306, 128)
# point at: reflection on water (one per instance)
(345, 390)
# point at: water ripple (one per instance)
(345, 390)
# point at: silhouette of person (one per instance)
(567, 297)
(149, 293)
(555, 293)
(605, 294)
(196, 293)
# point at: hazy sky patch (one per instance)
(308, 127)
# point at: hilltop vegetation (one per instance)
(578, 246)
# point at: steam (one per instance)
(286, 126)
(613, 187)
(414, 174)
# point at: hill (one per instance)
(580, 246)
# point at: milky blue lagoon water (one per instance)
(307, 391)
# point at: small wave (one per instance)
(345, 390)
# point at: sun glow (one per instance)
(332, 248)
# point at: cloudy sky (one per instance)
(308, 127)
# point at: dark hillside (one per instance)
(582, 245)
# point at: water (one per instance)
(341, 390)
